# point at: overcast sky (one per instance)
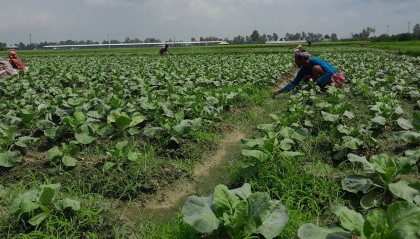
(60, 20)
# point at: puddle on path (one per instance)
(167, 203)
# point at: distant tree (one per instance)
(254, 37)
(275, 37)
(334, 37)
(127, 40)
(416, 29)
(21, 45)
(304, 36)
(2, 46)
(238, 40)
(193, 39)
(296, 36)
(151, 40)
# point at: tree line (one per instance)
(254, 38)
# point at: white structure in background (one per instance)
(120, 45)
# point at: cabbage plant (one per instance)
(238, 212)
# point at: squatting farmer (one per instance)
(313, 68)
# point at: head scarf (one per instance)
(303, 54)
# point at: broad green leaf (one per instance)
(45, 124)
(257, 154)
(292, 154)
(184, 127)
(266, 127)
(404, 123)
(84, 138)
(356, 183)
(133, 156)
(404, 190)
(9, 158)
(259, 211)
(26, 141)
(329, 117)
(375, 224)
(348, 114)
(137, 119)
(384, 165)
(94, 114)
(370, 200)
(412, 155)
(80, 117)
(252, 143)
(69, 161)
(366, 165)
(410, 137)
(243, 192)
(399, 211)
(108, 166)
(286, 144)
(398, 110)
(122, 121)
(48, 193)
(349, 219)
(273, 224)
(133, 131)
(121, 145)
(198, 213)
(27, 115)
(38, 219)
(54, 153)
(286, 132)
(407, 228)
(22, 204)
(67, 203)
(311, 231)
(351, 142)
(153, 131)
(224, 200)
(238, 218)
(379, 120)
(54, 132)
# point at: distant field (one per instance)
(86, 135)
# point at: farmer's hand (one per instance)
(275, 93)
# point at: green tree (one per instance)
(416, 29)
(275, 37)
(255, 36)
(334, 37)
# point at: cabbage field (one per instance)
(86, 132)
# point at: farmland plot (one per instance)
(73, 126)
(317, 156)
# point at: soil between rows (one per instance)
(166, 203)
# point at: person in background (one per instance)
(313, 68)
(16, 62)
(164, 50)
(6, 69)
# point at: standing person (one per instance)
(321, 71)
(16, 62)
(164, 50)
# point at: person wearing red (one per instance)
(16, 62)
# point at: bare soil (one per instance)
(166, 203)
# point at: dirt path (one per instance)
(167, 202)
